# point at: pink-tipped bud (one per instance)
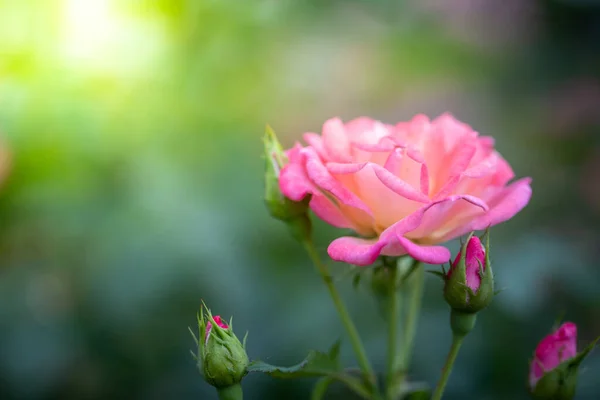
(219, 322)
(553, 371)
(475, 263)
(222, 358)
(469, 284)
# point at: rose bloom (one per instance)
(554, 349)
(404, 188)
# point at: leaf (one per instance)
(439, 274)
(334, 350)
(415, 391)
(421, 394)
(356, 281)
(315, 364)
(321, 388)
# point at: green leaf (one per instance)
(334, 350)
(321, 388)
(439, 274)
(423, 394)
(356, 281)
(415, 391)
(315, 364)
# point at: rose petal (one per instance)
(502, 207)
(391, 242)
(426, 254)
(320, 176)
(316, 142)
(441, 213)
(336, 141)
(398, 185)
(329, 212)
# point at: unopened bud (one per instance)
(222, 358)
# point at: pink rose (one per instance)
(554, 349)
(219, 322)
(474, 261)
(403, 188)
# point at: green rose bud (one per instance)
(293, 213)
(222, 359)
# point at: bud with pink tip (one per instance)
(219, 321)
(222, 358)
(469, 284)
(554, 369)
(293, 213)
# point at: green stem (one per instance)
(357, 345)
(393, 314)
(439, 389)
(417, 280)
(233, 392)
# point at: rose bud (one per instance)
(293, 213)
(469, 284)
(222, 359)
(553, 371)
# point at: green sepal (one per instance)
(279, 206)
(293, 213)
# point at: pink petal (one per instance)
(356, 251)
(426, 254)
(450, 175)
(316, 142)
(336, 141)
(294, 183)
(552, 350)
(365, 252)
(384, 145)
(329, 212)
(424, 181)
(454, 130)
(321, 177)
(391, 242)
(503, 206)
(345, 168)
(442, 213)
(398, 185)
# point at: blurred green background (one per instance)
(135, 182)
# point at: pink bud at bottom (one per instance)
(554, 349)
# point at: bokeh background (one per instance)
(132, 182)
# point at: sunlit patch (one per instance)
(98, 36)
